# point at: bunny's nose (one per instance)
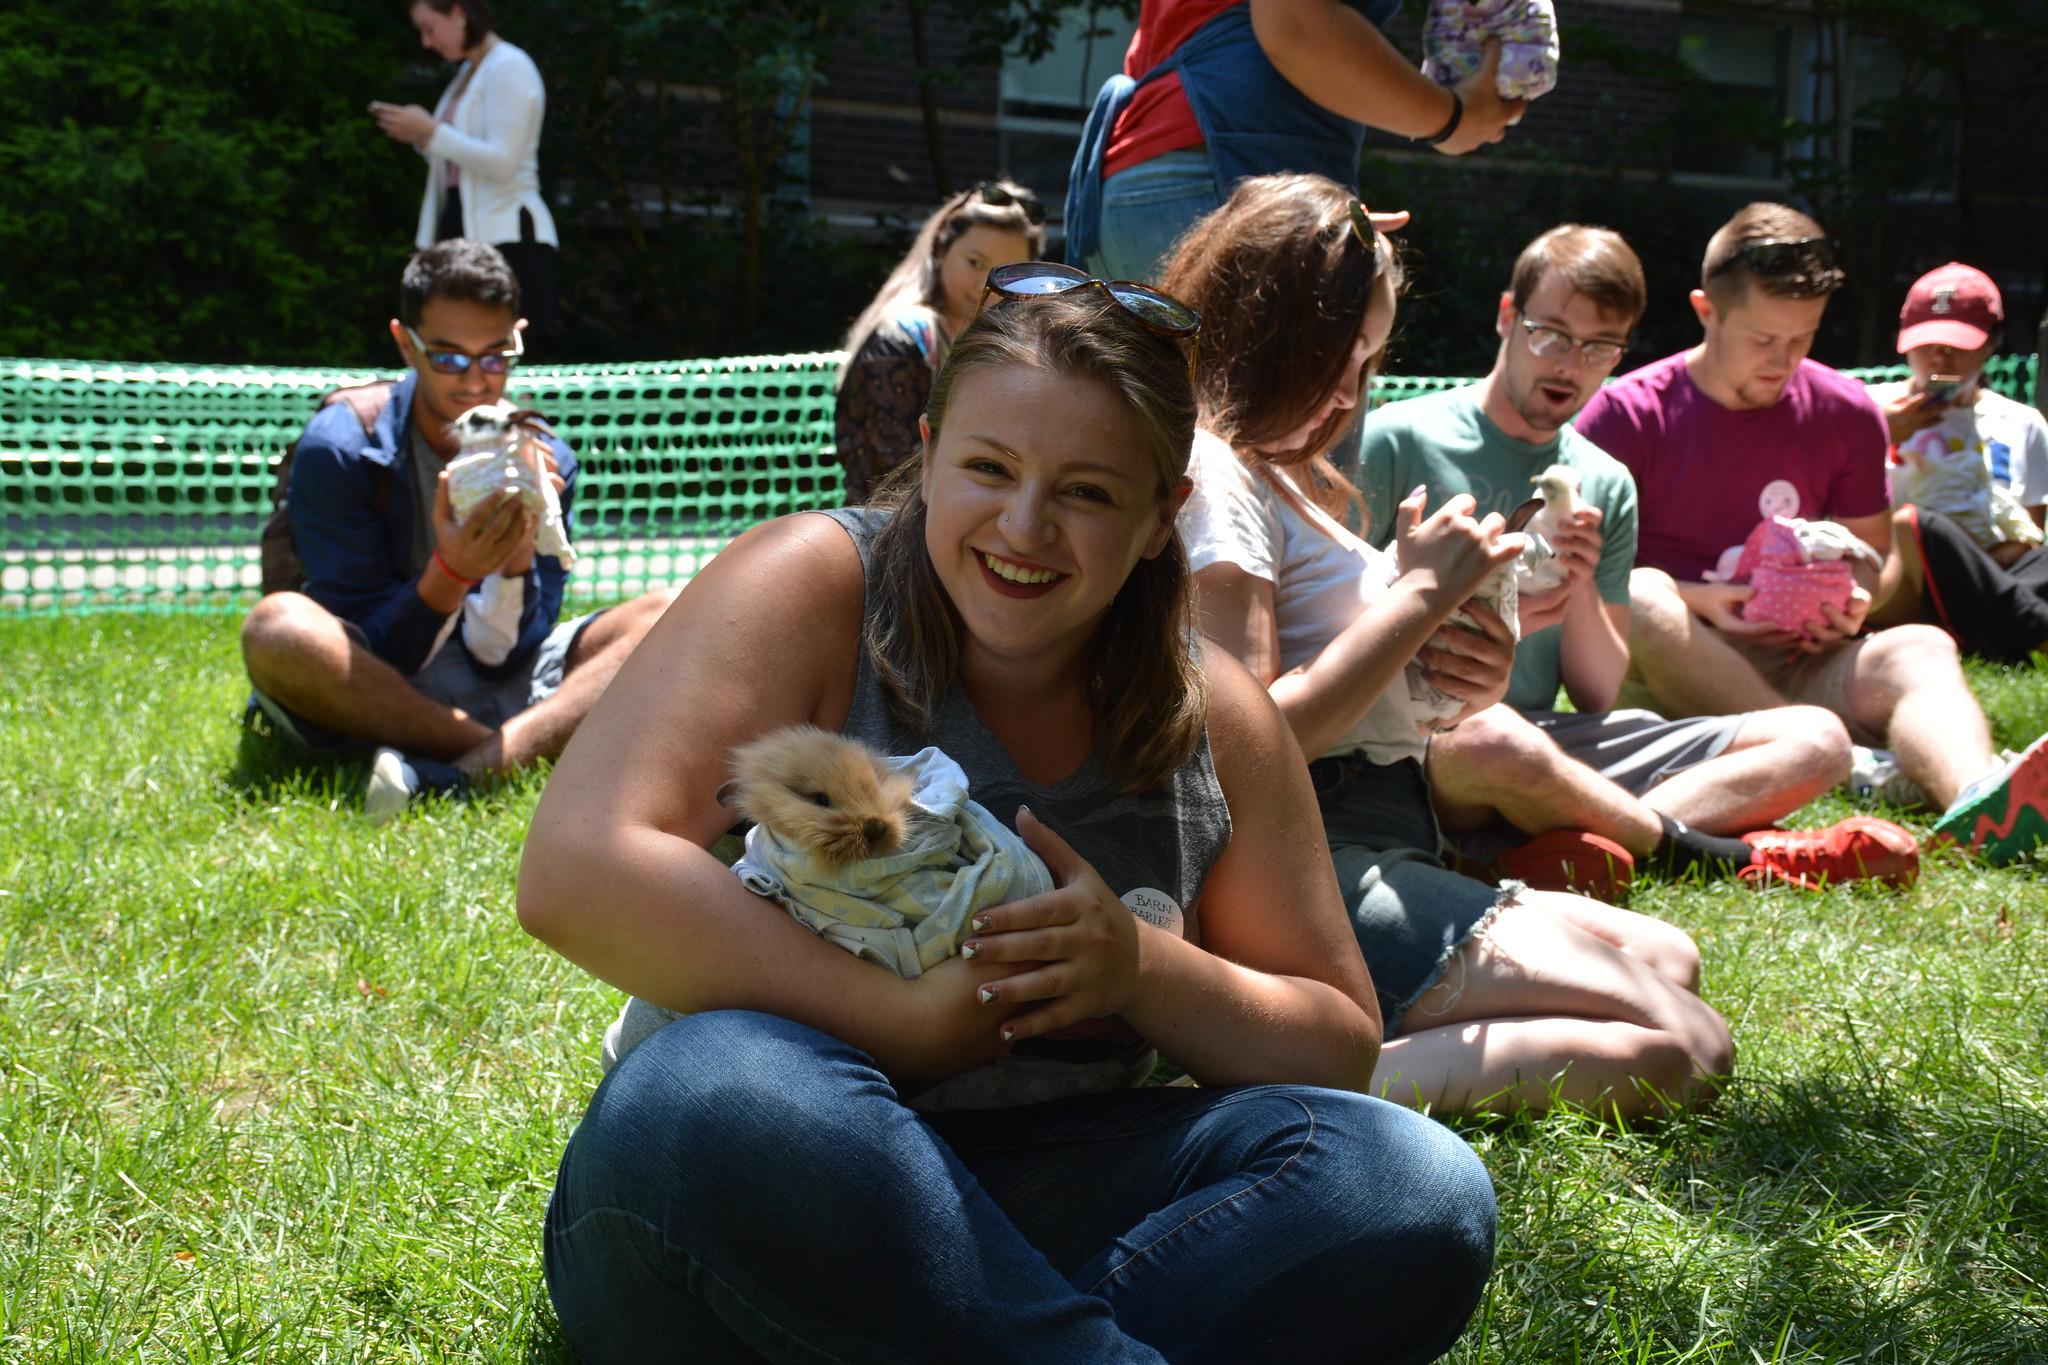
(876, 832)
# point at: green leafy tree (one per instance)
(199, 181)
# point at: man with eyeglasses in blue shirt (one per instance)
(436, 645)
(1599, 789)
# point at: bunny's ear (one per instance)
(728, 794)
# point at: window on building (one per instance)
(1735, 107)
(1045, 102)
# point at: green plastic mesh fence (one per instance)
(145, 485)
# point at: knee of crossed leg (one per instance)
(1421, 1205)
(1904, 656)
(1507, 750)
(1656, 611)
(282, 629)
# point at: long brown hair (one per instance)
(1145, 683)
(917, 280)
(1281, 277)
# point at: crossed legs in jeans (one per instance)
(744, 1187)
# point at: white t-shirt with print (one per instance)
(1323, 578)
(2009, 443)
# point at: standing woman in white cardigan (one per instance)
(482, 145)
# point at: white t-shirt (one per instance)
(2011, 440)
(1323, 577)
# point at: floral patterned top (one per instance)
(886, 386)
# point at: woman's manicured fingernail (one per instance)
(1009, 1033)
(970, 950)
(989, 995)
(980, 923)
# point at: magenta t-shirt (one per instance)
(1706, 475)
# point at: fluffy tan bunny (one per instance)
(829, 795)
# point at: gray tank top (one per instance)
(1153, 848)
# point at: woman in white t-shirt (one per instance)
(1495, 998)
(482, 145)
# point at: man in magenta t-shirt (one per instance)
(1742, 428)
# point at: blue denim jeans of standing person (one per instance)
(1146, 208)
(744, 1187)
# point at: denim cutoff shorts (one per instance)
(1411, 913)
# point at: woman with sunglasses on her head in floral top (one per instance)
(900, 339)
(797, 1154)
(1495, 997)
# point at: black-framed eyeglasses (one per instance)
(1780, 257)
(1002, 196)
(1550, 341)
(1161, 313)
(458, 362)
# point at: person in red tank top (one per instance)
(1252, 87)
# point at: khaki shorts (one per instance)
(1815, 679)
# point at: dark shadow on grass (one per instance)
(545, 1345)
(265, 771)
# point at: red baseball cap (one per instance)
(1956, 305)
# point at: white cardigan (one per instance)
(495, 138)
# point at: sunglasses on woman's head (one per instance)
(458, 362)
(1002, 197)
(1161, 313)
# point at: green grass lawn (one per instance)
(278, 1086)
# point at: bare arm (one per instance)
(1278, 991)
(1324, 697)
(1875, 531)
(1594, 657)
(616, 874)
(1336, 57)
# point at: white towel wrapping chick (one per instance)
(1428, 704)
(1539, 569)
(886, 857)
(498, 454)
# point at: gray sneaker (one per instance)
(1875, 779)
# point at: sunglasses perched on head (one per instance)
(458, 362)
(1161, 313)
(1002, 196)
(1777, 258)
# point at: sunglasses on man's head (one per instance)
(1779, 257)
(1002, 197)
(458, 362)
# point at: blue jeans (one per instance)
(744, 1187)
(1146, 208)
(1409, 912)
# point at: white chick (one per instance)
(1831, 540)
(1539, 569)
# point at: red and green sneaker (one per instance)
(2004, 814)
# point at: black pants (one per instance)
(2000, 613)
(533, 263)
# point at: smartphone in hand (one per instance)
(1942, 390)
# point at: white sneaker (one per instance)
(392, 783)
(1876, 779)
(395, 780)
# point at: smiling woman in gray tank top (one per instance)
(797, 1155)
